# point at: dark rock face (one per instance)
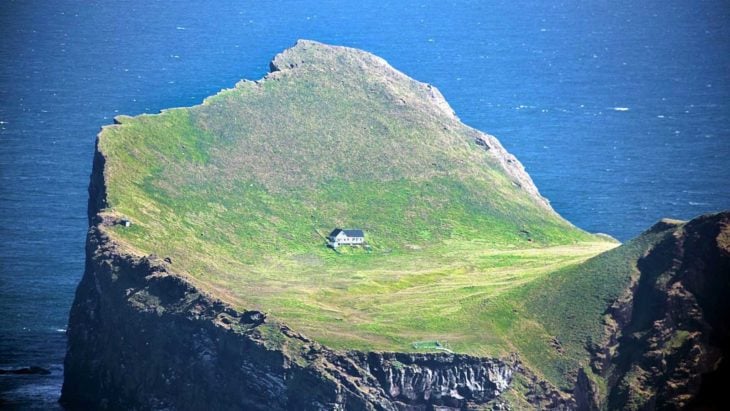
(671, 334)
(424, 379)
(586, 397)
(139, 338)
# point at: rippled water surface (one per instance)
(619, 111)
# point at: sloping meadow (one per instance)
(238, 194)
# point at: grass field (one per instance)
(468, 296)
(240, 191)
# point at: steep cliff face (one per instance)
(421, 378)
(669, 335)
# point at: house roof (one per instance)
(349, 233)
(354, 233)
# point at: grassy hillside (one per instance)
(240, 191)
(570, 304)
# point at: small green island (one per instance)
(347, 202)
(241, 192)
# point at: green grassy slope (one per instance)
(570, 305)
(239, 192)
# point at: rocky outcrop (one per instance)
(425, 378)
(512, 167)
(669, 335)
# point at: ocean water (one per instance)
(619, 111)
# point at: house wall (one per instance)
(343, 239)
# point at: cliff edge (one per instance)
(668, 337)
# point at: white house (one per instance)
(340, 237)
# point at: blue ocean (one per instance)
(619, 110)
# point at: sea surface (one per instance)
(620, 111)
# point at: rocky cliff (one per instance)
(669, 335)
